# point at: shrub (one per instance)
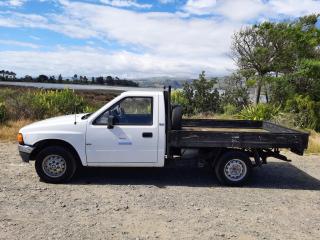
(177, 97)
(259, 112)
(202, 96)
(306, 113)
(230, 109)
(54, 102)
(280, 90)
(44, 103)
(3, 112)
(235, 92)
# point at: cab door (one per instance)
(133, 138)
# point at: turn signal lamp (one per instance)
(20, 138)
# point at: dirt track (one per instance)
(282, 202)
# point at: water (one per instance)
(76, 86)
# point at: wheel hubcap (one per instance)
(54, 166)
(235, 170)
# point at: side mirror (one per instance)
(110, 121)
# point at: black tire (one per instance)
(176, 117)
(238, 159)
(69, 163)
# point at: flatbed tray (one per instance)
(208, 133)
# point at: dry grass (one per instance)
(314, 142)
(9, 130)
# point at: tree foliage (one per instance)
(272, 50)
(235, 92)
(201, 96)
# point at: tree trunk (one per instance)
(266, 93)
(258, 93)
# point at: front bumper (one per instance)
(25, 152)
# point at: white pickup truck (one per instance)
(143, 129)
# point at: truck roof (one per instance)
(145, 91)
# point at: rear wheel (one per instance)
(233, 168)
(55, 165)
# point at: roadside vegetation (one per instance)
(39, 104)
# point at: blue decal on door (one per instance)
(124, 142)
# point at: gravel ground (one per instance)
(281, 202)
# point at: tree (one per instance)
(52, 79)
(75, 78)
(303, 76)
(236, 92)
(259, 49)
(99, 80)
(109, 80)
(201, 95)
(278, 50)
(28, 78)
(42, 78)
(60, 79)
(85, 80)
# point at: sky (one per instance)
(131, 38)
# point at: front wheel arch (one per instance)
(39, 146)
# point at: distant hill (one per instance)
(159, 82)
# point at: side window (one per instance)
(129, 111)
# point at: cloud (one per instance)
(244, 10)
(14, 19)
(154, 32)
(16, 3)
(125, 3)
(200, 7)
(91, 62)
(12, 3)
(35, 37)
(252, 10)
(166, 1)
(295, 8)
(19, 44)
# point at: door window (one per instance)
(129, 111)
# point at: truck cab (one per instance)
(128, 131)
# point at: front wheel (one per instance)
(233, 168)
(55, 165)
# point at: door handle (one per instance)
(147, 134)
